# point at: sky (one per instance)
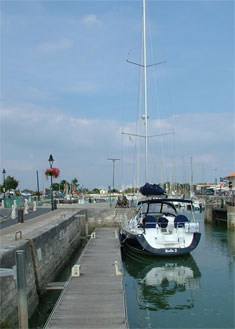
(68, 90)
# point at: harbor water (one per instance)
(196, 291)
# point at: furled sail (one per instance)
(152, 189)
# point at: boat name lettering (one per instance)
(170, 250)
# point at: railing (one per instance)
(8, 203)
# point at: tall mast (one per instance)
(140, 107)
(143, 64)
(145, 96)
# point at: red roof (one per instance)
(231, 175)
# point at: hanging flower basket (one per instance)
(54, 172)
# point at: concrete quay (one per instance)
(48, 241)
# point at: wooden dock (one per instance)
(96, 298)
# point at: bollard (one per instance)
(54, 205)
(3, 205)
(13, 212)
(34, 205)
(26, 207)
(21, 290)
(20, 216)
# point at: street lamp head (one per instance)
(51, 160)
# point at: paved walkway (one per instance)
(32, 226)
(96, 298)
(5, 216)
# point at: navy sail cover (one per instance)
(152, 189)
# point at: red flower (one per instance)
(54, 172)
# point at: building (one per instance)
(231, 179)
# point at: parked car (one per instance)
(198, 192)
(209, 191)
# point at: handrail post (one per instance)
(21, 289)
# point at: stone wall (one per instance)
(46, 252)
(9, 311)
(208, 213)
(107, 217)
(231, 217)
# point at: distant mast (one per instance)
(191, 177)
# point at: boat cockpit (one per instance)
(159, 213)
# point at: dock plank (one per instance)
(96, 299)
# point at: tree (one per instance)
(56, 186)
(62, 185)
(95, 191)
(115, 191)
(10, 183)
(85, 190)
(74, 182)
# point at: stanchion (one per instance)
(21, 289)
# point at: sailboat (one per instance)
(157, 228)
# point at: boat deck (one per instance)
(95, 299)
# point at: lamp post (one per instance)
(113, 160)
(4, 188)
(51, 160)
(38, 185)
(110, 204)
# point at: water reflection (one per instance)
(164, 284)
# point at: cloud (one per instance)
(90, 20)
(60, 45)
(81, 146)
